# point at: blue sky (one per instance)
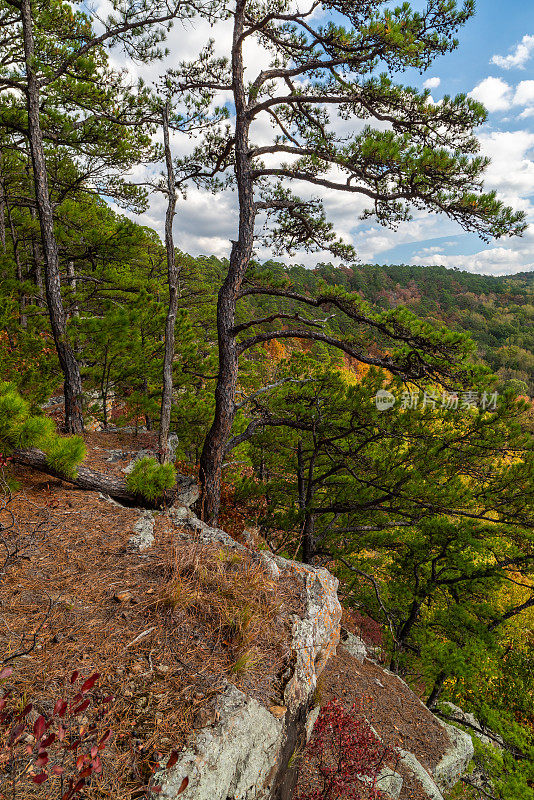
(494, 63)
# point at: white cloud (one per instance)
(494, 93)
(511, 171)
(524, 93)
(206, 223)
(518, 57)
(495, 261)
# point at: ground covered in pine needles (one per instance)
(163, 629)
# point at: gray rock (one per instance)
(143, 531)
(476, 728)
(172, 444)
(116, 455)
(310, 722)
(247, 754)
(354, 645)
(428, 784)
(187, 491)
(270, 564)
(138, 456)
(456, 759)
(232, 759)
(390, 783)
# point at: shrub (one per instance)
(19, 428)
(150, 479)
(345, 757)
(61, 749)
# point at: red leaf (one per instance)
(60, 707)
(76, 699)
(97, 765)
(42, 760)
(38, 779)
(82, 707)
(74, 744)
(86, 772)
(80, 761)
(26, 710)
(172, 760)
(39, 727)
(74, 676)
(57, 770)
(156, 789)
(3, 703)
(90, 682)
(68, 793)
(6, 672)
(94, 751)
(48, 741)
(61, 731)
(16, 733)
(183, 785)
(104, 739)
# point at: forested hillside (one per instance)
(496, 311)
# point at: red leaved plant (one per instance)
(62, 747)
(344, 757)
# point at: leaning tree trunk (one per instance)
(67, 359)
(211, 460)
(184, 490)
(170, 323)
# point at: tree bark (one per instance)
(36, 257)
(436, 690)
(23, 320)
(2, 215)
(67, 359)
(211, 460)
(172, 276)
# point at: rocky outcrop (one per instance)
(455, 760)
(245, 750)
(143, 531)
(233, 758)
(246, 754)
(430, 756)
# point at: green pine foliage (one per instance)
(20, 429)
(151, 480)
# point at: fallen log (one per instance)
(185, 490)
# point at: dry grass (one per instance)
(164, 628)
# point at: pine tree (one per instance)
(323, 72)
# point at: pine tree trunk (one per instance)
(211, 460)
(2, 215)
(437, 690)
(23, 320)
(67, 359)
(170, 323)
(36, 257)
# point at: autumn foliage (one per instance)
(345, 757)
(61, 749)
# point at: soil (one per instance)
(164, 627)
(394, 711)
